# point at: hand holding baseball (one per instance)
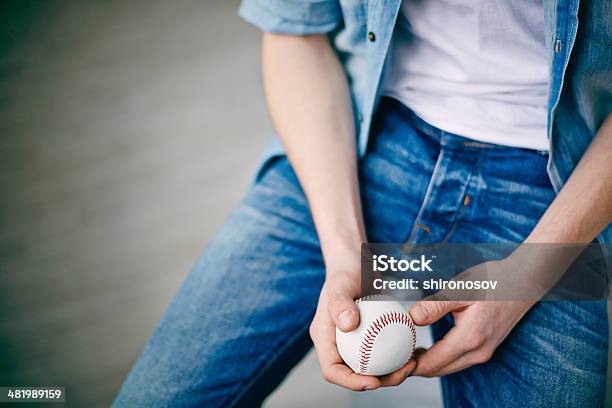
(383, 341)
(479, 326)
(336, 308)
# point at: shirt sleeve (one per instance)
(293, 17)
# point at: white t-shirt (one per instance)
(476, 68)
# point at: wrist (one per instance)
(343, 256)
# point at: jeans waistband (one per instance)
(444, 138)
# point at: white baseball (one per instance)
(384, 340)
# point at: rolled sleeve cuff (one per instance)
(293, 17)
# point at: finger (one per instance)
(335, 371)
(467, 360)
(426, 312)
(343, 376)
(397, 377)
(342, 309)
(443, 353)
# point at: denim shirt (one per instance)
(578, 38)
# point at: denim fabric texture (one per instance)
(240, 320)
(578, 38)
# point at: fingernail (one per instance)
(368, 388)
(419, 313)
(344, 319)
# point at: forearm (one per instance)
(583, 207)
(310, 106)
(581, 210)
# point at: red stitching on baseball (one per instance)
(375, 328)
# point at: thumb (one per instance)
(426, 312)
(343, 310)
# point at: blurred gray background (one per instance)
(128, 130)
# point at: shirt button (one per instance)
(371, 36)
(360, 116)
(558, 46)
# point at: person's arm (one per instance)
(583, 207)
(310, 106)
(581, 210)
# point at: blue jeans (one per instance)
(240, 320)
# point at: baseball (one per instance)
(384, 340)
